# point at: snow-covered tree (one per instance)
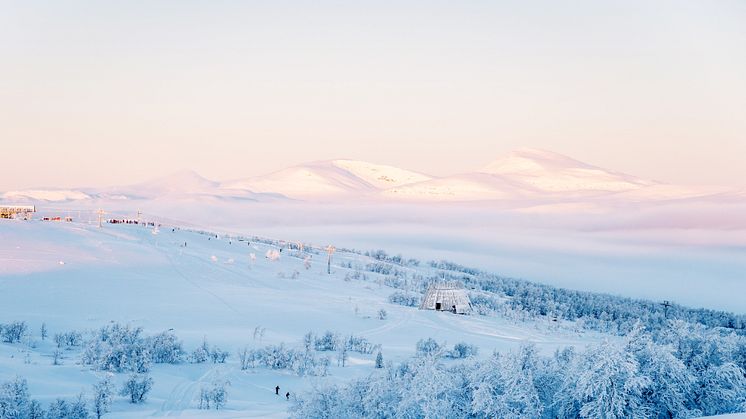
(463, 350)
(137, 388)
(672, 385)
(78, 409)
(379, 360)
(13, 332)
(165, 348)
(342, 355)
(427, 347)
(14, 399)
(218, 355)
(723, 390)
(102, 392)
(308, 340)
(215, 396)
(606, 383)
(503, 386)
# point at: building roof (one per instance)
(449, 295)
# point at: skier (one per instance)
(277, 390)
(287, 395)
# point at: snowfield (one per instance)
(75, 276)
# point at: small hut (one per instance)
(446, 297)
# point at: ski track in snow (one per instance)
(185, 393)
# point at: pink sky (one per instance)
(97, 94)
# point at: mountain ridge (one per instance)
(526, 173)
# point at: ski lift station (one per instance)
(446, 297)
(17, 211)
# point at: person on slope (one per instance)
(287, 395)
(277, 390)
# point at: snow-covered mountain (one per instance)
(524, 173)
(49, 195)
(527, 176)
(329, 179)
(554, 173)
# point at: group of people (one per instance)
(277, 392)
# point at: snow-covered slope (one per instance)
(554, 173)
(75, 276)
(313, 180)
(466, 187)
(380, 176)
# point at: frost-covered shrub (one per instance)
(404, 299)
(379, 268)
(308, 340)
(13, 332)
(136, 388)
(394, 282)
(118, 348)
(279, 357)
(484, 304)
(450, 266)
(199, 355)
(382, 314)
(165, 348)
(360, 345)
(218, 356)
(62, 409)
(381, 255)
(427, 347)
(14, 399)
(215, 396)
(69, 339)
(463, 350)
(102, 392)
(327, 342)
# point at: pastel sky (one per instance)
(99, 93)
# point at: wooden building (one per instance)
(17, 211)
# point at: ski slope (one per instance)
(78, 277)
